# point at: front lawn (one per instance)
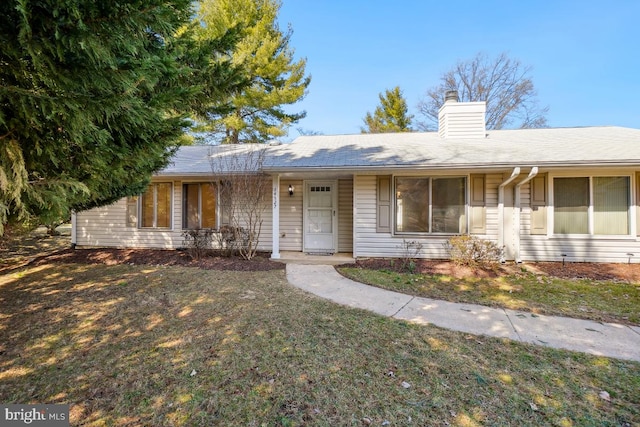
(599, 300)
(178, 346)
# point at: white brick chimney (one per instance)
(461, 119)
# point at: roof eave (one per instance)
(455, 166)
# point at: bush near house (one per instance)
(473, 251)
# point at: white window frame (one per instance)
(154, 185)
(590, 209)
(430, 206)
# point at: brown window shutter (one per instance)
(132, 211)
(477, 205)
(383, 212)
(538, 195)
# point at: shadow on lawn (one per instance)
(99, 338)
(132, 345)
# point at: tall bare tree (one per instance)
(504, 83)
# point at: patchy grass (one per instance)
(607, 301)
(176, 346)
(18, 249)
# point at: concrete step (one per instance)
(289, 257)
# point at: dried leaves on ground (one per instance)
(579, 270)
(42, 249)
(173, 346)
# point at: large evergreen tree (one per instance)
(390, 116)
(92, 100)
(256, 111)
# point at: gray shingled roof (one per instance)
(501, 148)
(205, 159)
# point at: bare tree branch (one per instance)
(503, 83)
(243, 192)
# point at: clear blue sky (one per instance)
(585, 54)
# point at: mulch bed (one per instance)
(112, 256)
(43, 249)
(424, 266)
(594, 271)
(577, 270)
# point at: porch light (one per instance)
(290, 190)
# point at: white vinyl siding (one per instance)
(291, 216)
(345, 215)
(578, 249)
(110, 226)
(106, 226)
(492, 181)
(368, 242)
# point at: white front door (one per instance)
(320, 220)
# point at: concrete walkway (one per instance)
(602, 339)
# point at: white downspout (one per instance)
(275, 218)
(74, 230)
(514, 175)
(354, 195)
(516, 213)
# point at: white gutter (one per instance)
(516, 205)
(514, 175)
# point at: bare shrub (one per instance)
(473, 251)
(410, 250)
(197, 242)
(243, 194)
(229, 239)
